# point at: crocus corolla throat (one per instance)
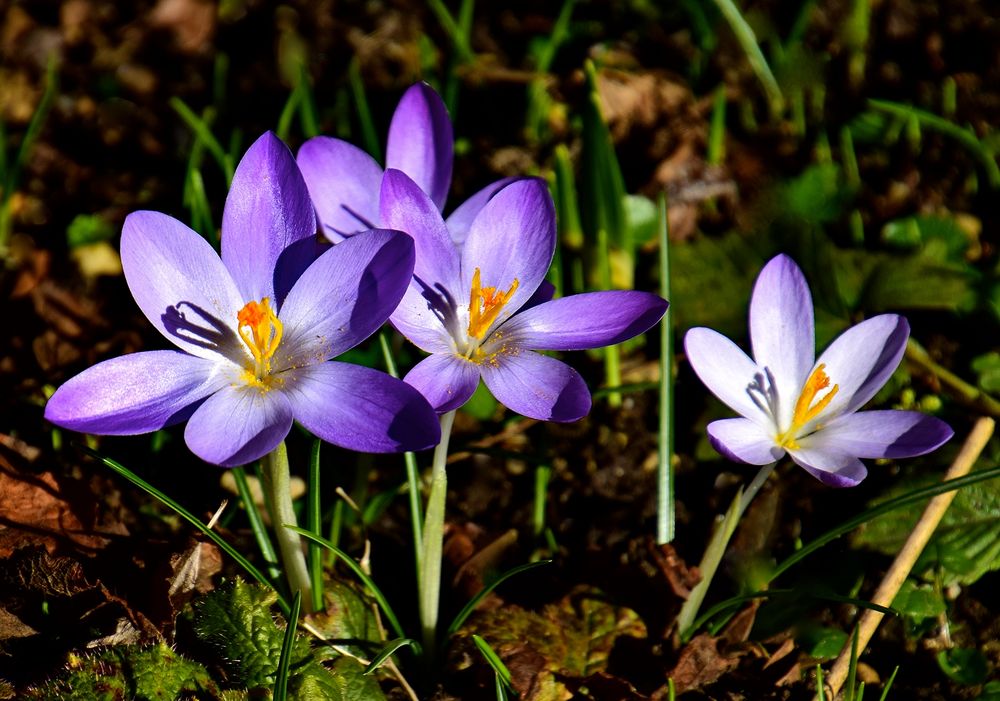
(256, 329)
(793, 403)
(482, 309)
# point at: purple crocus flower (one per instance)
(483, 309)
(805, 407)
(344, 181)
(256, 329)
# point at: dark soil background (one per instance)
(82, 551)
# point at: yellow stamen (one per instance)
(485, 304)
(261, 332)
(805, 409)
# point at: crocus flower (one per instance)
(483, 309)
(792, 403)
(256, 329)
(344, 181)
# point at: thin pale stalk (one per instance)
(717, 548)
(665, 477)
(429, 583)
(914, 545)
(276, 479)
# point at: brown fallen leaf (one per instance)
(39, 510)
(701, 663)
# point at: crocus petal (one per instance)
(421, 142)
(135, 393)
(268, 224)
(362, 409)
(782, 331)
(460, 220)
(588, 320)
(742, 440)
(725, 370)
(861, 359)
(446, 380)
(882, 434)
(537, 386)
(831, 467)
(513, 238)
(343, 182)
(181, 285)
(404, 206)
(238, 424)
(344, 297)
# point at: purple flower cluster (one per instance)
(258, 328)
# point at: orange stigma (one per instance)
(805, 408)
(485, 304)
(261, 332)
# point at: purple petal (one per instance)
(725, 370)
(882, 434)
(135, 393)
(460, 220)
(588, 320)
(343, 182)
(238, 424)
(404, 206)
(831, 467)
(742, 440)
(268, 224)
(781, 328)
(181, 285)
(537, 386)
(862, 359)
(344, 297)
(447, 380)
(362, 409)
(421, 141)
(427, 314)
(513, 238)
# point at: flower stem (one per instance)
(276, 478)
(717, 548)
(431, 545)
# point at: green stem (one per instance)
(276, 478)
(433, 539)
(717, 548)
(412, 471)
(665, 516)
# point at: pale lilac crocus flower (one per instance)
(793, 403)
(256, 329)
(344, 180)
(484, 309)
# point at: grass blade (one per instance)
(748, 41)
(369, 135)
(389, 650)
(313, 523)
(192, 519)
(257, 523)
(373, 589)
(503, 674)
(458, 38)
(474, 601)
(204, 134)
(899, 502)
(285, 661)
(888, 684)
